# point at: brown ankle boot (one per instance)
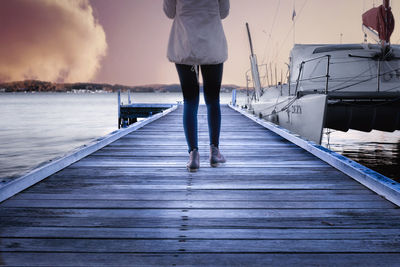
(194, 161)
(215, 156)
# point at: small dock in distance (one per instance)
(133, 203)
(130, 113)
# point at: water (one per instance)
(35, 128)
(38, 127)
(377, 150)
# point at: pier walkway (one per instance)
(133, 203)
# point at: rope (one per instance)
(363, 81)
(270, 32)
(290, 30)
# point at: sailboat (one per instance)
(336, 86)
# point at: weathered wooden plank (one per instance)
(170, 185)
(196, 213)
(134, 152)
(258, 135)
(148, 178)
(388, 222)
(189, 259)
(152, 183)
(75, 182)
(261, 134)
(167, 195)
(204, 128)
(199, 234)
(230, 139)
(204, 147)
(203, 158)
(295, 160)
(194, 204)
(199, 246)
(180, 171)
(175, 163)
(181, 143)
(217, 193)
(266, 149)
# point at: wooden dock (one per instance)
(132, 203)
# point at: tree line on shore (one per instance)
(43, 86)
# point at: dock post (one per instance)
(119, 109)
(234, 97)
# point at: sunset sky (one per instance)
(125, 41)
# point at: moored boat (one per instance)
(337, 86)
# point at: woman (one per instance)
(197, 41)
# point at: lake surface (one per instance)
(38, 127)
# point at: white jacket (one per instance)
(197, 36)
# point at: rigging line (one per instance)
(353, 78)
(290, 100)
(289, 104)
(347, 61)
(363, 81)
(270, 31)
(276, 102)
(291, 29)
(396, 87)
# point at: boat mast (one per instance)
(386, 5)
(254, 67)
(294, 21)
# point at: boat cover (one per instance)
(380, 19)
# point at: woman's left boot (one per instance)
(215, 156)
(194, 161)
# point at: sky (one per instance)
(125, 41)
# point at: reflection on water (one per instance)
(377, 150)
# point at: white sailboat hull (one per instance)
(304, 116)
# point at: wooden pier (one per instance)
(130, 113)
(132, 203)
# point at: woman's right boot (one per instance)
(216, 157)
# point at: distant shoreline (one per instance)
(33, 86)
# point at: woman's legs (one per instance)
(212, 77)
(190, 90)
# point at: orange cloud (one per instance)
(52, 40)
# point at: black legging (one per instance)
(212, 76)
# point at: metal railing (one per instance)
(327, 76)
(298, 80)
